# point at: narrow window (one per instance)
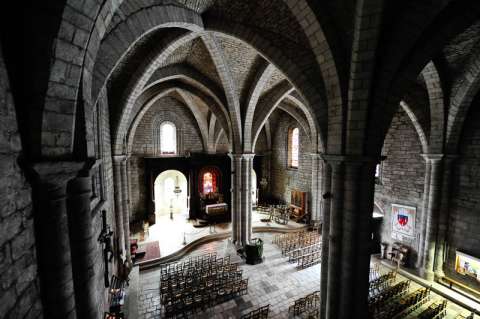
(293, 147)
(168, 138)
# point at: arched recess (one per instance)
(321, 43)
(465, 90)
(165, 198)
(77, 94)
(314, 95)
(266, 105)
(136, 86)
(454, 19)
(229, 87)
(437, 107)
(298, 116)
(201, 120)
(153, 94)
(317, 140)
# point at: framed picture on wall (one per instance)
(467, 265)
(403, 220)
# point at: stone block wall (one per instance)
(19, 282)
(284, 179)
(165, 109)
(463, 228)
(402, 177)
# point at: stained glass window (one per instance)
(294, 140)
(207, 183)
(168, 138)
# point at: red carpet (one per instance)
(152, 251)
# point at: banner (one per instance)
(403, 220)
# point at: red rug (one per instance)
(152, 251)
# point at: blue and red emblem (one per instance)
(402, 219)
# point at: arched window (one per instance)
(209, 178)
(168, 138)
(293, 147)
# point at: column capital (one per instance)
(433, 157)
(117, 159)
(237, 156)
(57, 172)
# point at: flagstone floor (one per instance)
(275, 282)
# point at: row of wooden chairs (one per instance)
(189, 304)
(401, 306)
(381, 283)
(306, 304)
(193, 265)
(199, 283)
(377, 302)
(436, 310)
(301, 240)
(309, 259)
(277, 239)
(260, 313)
(296, 254)
(374, 272)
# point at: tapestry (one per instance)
(403, 221)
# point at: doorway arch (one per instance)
(170, 193)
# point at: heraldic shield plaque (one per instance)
(403, 220)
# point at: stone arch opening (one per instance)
(170, 194)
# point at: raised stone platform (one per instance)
(178, 237)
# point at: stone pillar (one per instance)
(326, 187)
(443, 221)
(426, 190)
(126, 207)
(53, 244)
(432, 214)
(82, 246)
(315, 205)
(242, 165)
(335, 238)
(349, 248)
(117, 187)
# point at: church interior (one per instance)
(240, 159)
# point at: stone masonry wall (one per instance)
(165, 109)
(464, 224)
(19, 283)
(284, 179)
(402, 177)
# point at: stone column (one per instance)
(326, 187)
(117, 187)
(335, 238)
(432, 214)
(443, 221)
(426, 190)
(53, 244)
(242, 165)
(349, 248)
(357, 235)
(315, 205)
(126, 207)
(82, 246)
